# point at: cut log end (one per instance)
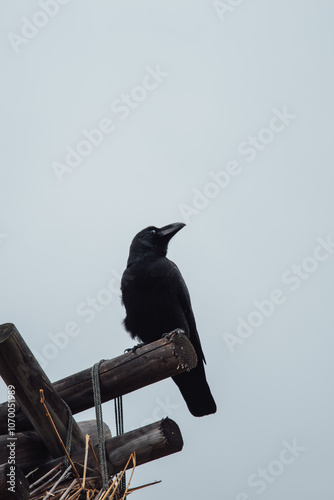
(172, 435)
(184, 351)
(20, 368)
(151, 442)
(6, 330)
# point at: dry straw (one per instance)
(68, 484)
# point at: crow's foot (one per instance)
(170, 334)
(134, 348)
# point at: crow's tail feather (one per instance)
(196, 391)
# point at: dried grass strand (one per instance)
(41, 392)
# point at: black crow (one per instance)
(157, 301)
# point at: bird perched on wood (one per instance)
(157, 301)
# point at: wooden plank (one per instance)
(20, 370)
(126, 373)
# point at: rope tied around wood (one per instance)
(119, 417)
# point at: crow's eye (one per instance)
(153, 231)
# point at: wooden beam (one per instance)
(20, 370)
(126, 373)
(30, 451)
(13, 484)
(151, 442)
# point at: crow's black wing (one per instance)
(185, 303)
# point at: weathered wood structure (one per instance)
(40, 430)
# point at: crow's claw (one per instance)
(170, 334)
(134, 348)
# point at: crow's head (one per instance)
(153, 240)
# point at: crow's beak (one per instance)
(167, 232)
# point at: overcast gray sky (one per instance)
(119, 115)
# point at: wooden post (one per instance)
(151, 442)
(13, 484)
(20, 370)
(126, 373)
(30, 450)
